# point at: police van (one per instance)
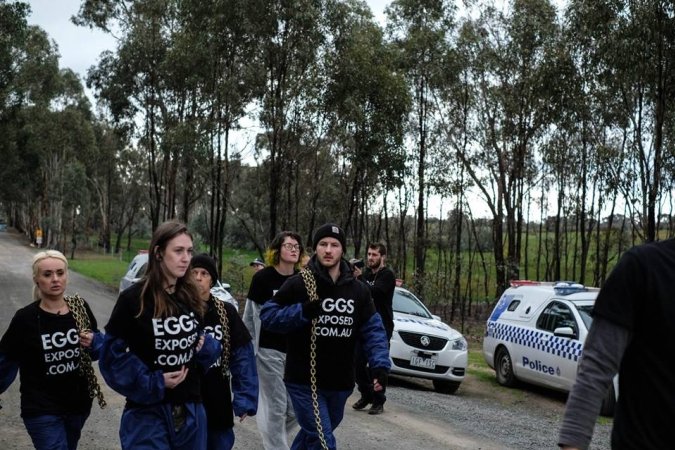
(536, 334)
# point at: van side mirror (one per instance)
(566, 332)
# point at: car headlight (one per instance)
(459, 344)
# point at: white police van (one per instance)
(536, 334)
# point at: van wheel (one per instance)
(445, 387)
(504, 368)
(608, 403)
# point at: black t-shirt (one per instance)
(164, 344)
(346, 306)
(382, 284)
(265, 283)
(216, 387)
(639, 295)
(47, 349)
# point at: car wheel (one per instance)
(504, 368)
(446, 387)
(608, 403)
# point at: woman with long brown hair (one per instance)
(155, 349)
(52, 353)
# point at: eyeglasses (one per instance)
(289, 246)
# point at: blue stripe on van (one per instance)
(528, 337)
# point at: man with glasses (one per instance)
(275, 418)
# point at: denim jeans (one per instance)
(55, 432)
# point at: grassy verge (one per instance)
(104, 268)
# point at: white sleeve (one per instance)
(251, 319)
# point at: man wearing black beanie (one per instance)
(323, 326)
(329, 230)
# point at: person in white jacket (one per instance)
(275, 418)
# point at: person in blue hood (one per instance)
(325, 313)
(155, 350)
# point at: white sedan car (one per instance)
(424, 347)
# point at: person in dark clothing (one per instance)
(155, 350)
(236, 364)
(324, 312)
(632, 334)
(381, 281)
(45, 346)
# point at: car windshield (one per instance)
(406, 303)
(585, 313)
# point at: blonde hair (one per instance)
(41, 256)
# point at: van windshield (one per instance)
(405, 302)
(585, 313)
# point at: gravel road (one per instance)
(477, 417)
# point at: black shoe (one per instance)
(376, 409)
(361, 403)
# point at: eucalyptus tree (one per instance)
(291, 36)
(223, 47)
(50, 127)
(13, 36)
(129, 191)
(512, 71)
(585, 160)
(149, 80)
(634, 44)
(65, 139)
(368, 101)
(104, 175)
(420, 30)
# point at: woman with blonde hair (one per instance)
(52, 342)
(155, 349)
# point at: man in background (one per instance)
(381, 281)
(257, 264)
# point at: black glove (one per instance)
(381, 375)
(311, 310)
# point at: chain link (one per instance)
(222, 315)
(76, 306)
(310, 285)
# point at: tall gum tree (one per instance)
(511, 60)
(420, 31)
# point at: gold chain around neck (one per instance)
(76, 306)
(310, 285)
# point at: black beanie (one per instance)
(329, 230)
(204, 261)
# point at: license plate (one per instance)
(425, 363)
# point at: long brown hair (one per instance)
(153, 282)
